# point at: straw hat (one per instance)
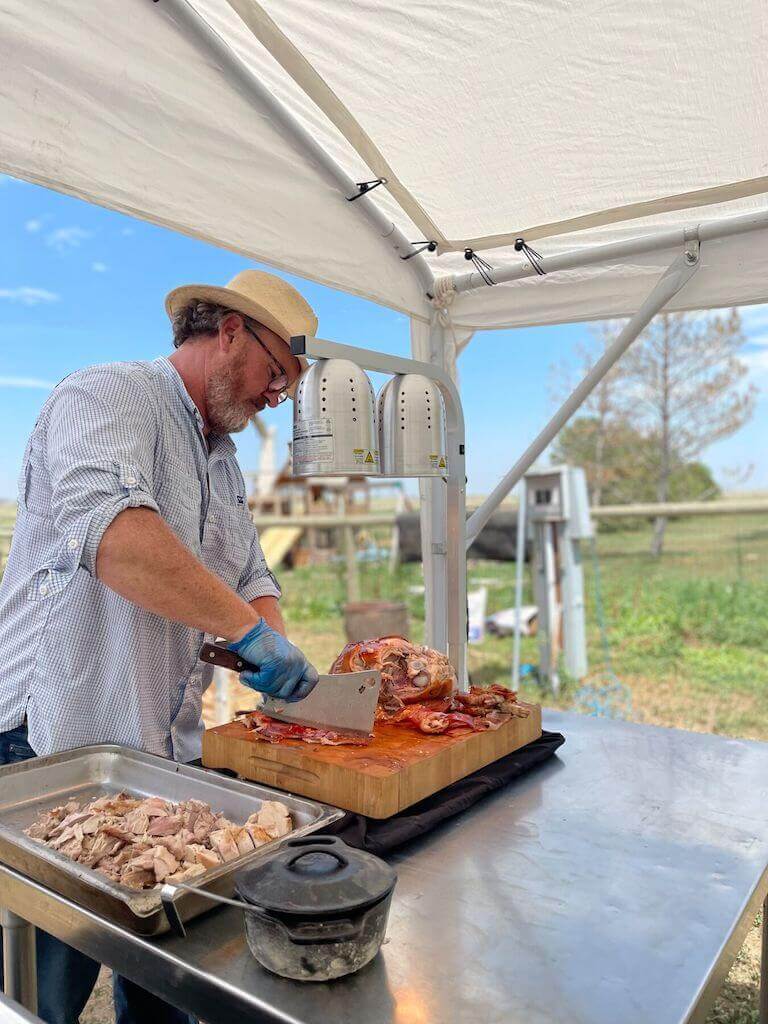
(266, 298)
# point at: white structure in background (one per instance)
(264, 479)
(554, 515)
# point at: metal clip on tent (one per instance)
(450, 602)
(483, 267)
(366, 186)
(424, 247)
(531, 255)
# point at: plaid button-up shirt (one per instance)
(79, 662)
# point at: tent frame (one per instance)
(439, 347)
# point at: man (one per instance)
(133, 542)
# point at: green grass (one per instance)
(687, 633)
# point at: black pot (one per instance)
(316, 910)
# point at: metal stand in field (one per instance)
(553, 514)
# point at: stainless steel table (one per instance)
(615, 883)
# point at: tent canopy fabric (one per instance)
(568, 122)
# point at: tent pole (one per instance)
(245, 81)
(588, 255)
(682, 268)
(429, 344)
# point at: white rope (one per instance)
(443, 295)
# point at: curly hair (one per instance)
(197, 318)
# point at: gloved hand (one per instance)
(283, 671)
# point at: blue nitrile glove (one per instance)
(283, 671)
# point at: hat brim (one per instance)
(288, 324)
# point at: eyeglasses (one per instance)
(278, 381)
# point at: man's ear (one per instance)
(228, 329)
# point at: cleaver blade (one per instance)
(345, 702)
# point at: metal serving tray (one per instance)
(29, 788)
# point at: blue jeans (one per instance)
(65, 977)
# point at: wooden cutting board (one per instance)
(399, 767)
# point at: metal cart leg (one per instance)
(19, 959)
(764, 967)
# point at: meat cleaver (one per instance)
(345, 702)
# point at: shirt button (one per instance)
(130, 480)
(43, 589)
(72, 544)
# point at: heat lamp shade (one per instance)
(412, 427)
(334, 421)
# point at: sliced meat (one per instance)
(103, 846)
(155, 807)
(208, 858)
(137, 821)
(165, 825)
(243, 840)
(224, 843)
(274, 818)
(43, 827)
(187, 872)
(136, 877)
(257, 834)
(74, 818)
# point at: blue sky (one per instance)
(81, 285)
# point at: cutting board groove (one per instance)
(397, 769)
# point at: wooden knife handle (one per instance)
(215, 654)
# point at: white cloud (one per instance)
(66, 238)
(28, 296)
(33, 225)
(99, 268)
(26, 382)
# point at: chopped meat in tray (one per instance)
(141, 843)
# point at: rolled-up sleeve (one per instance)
(100, 449)
(257, 579)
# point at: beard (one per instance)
(228, 411)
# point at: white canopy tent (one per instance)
(624, 141)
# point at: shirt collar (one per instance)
(215, 442)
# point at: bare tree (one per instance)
(604, 407)
(686, 390)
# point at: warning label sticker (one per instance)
(366, 457)
(313, 444)
(437, 461)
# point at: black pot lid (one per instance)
(316, 875)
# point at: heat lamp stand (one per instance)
(451, 606)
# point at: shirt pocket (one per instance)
(227, 541)
(179, 498)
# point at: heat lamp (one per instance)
(334, 421)
(411, 415)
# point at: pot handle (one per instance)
(317, 844)
(320, 933)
